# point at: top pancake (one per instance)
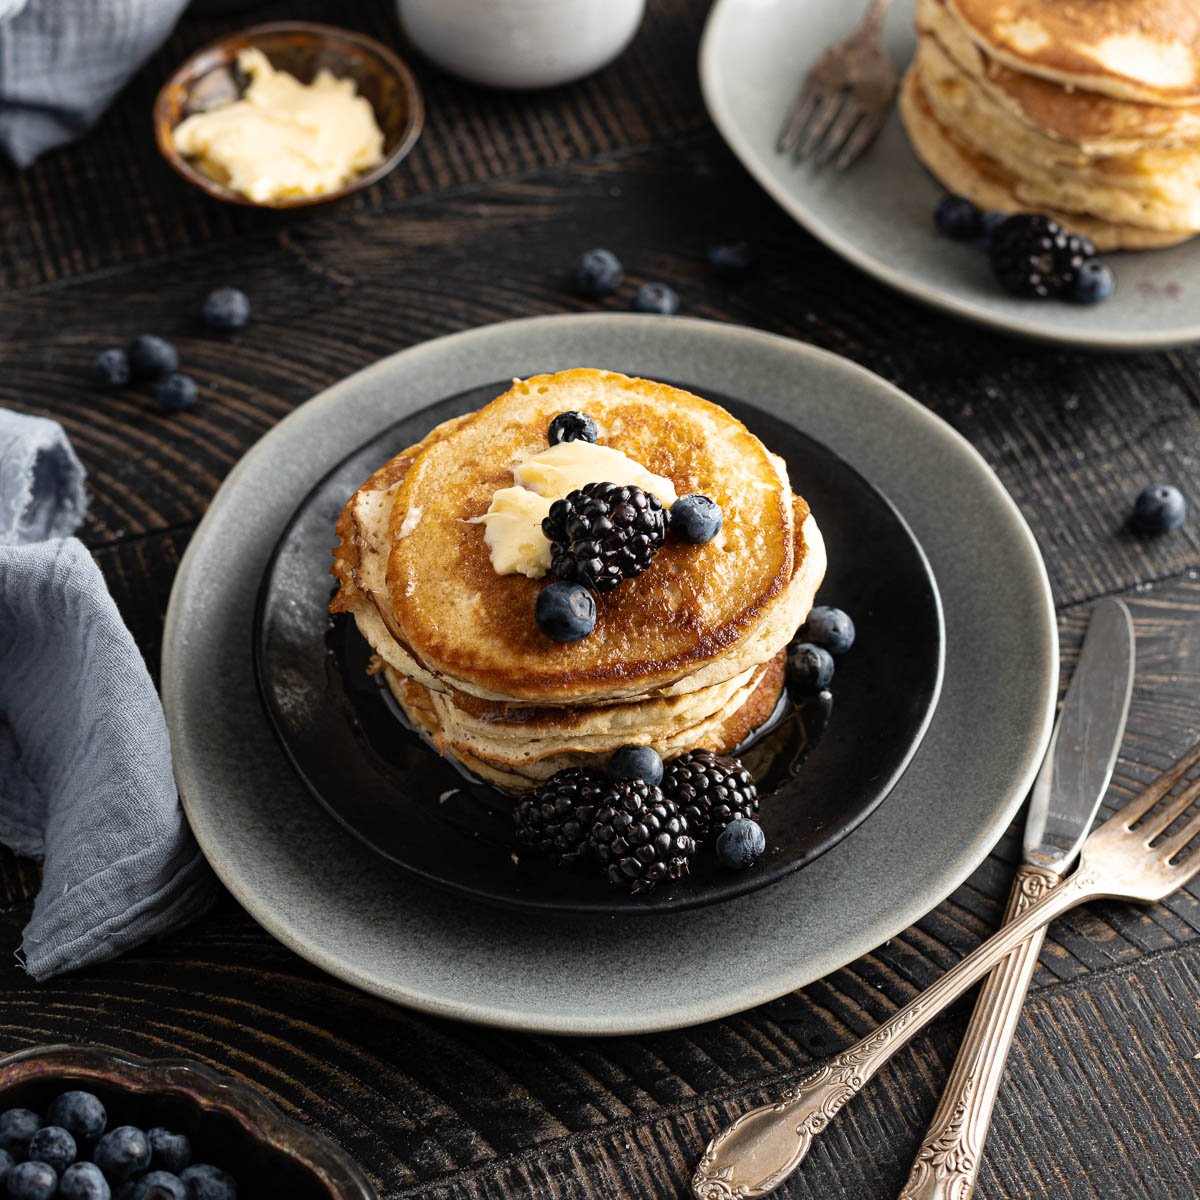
(1147, 50)
(474, 630)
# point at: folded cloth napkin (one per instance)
(63, 61)
(85, 762)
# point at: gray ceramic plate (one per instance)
(878, 214)
(320, 891)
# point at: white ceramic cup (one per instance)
(521, 43)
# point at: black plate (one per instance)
(821, 771)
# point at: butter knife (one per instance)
(1066, 796)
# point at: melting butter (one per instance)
(513, 522)
(283, 137)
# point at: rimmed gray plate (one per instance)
(879, 213)
(321, 892)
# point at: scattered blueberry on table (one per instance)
(828, 627)
(598, 273)
(740, 844)
(1159, 508)
(636, 762)
(176, 392)
(152, 357)
(565, 612)
(731, 260)
(696, 519)
(657, 298)
(226, 309)
(110, 368)
(571, 427)
(809, 667)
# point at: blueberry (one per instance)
(83, 1181)
(696, 519)
(828, 627)
(122, 1152)
(731, 260)
(226, 309)
(598, 273)
(1094, 281)
(152, 357)
(31, 1181)
(6, 1163)
(53, 1146)
(956, 217)
(17, 1126)
(989, 222)
(1159, 508)
(168, 1151)
(206, 1182)
(110, 368)
(176, 392)
(740, 843)
(565, 612)
(810, 668)
(636, 762)
(159, 1185)
(81, 1114)
(571, 427)
(656, 298)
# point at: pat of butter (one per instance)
(283, 137)
(513, 522)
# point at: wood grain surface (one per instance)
(483, 223)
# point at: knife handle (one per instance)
(947, 1164)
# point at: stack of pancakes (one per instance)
(689, 653)
(1087, 110)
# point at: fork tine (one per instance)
(1142, 803)
(1178, 841)
(860, 139)
(797, 117)
(851, 113)
(1159, 820)
(831, 105)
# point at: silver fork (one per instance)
(1137, 854)
(844, 99)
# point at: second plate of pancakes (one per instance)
(1129, 159)
(822, 767)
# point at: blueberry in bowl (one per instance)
(156, 1130)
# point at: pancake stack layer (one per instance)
(690, 653)
(1087, 110)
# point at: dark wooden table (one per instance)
(483, 222)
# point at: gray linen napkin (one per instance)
(85, 762)
(63, 61)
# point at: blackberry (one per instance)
(1033, 256)
(712, 791)
(554, 820)
(603, 533)
(640, 837)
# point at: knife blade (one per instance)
(1086, 739)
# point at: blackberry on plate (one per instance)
(81, 1114)
(809, 667)
(640, 837)
(696, 519)
(555, 818)
(597, 273)
(741, 844)
(31, 1181)
(658, 298)
(603, 533)
(957, 218)
(565, 612)
(1159, 508)
(206, 1182)
(83, 1181)
(571, 427)
(1031, 255)
(711, 791)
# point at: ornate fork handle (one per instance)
(946, 1166)
(755, 1154)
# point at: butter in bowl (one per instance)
(287, 115)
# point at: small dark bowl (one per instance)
(228, 1124)
(302, 48)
